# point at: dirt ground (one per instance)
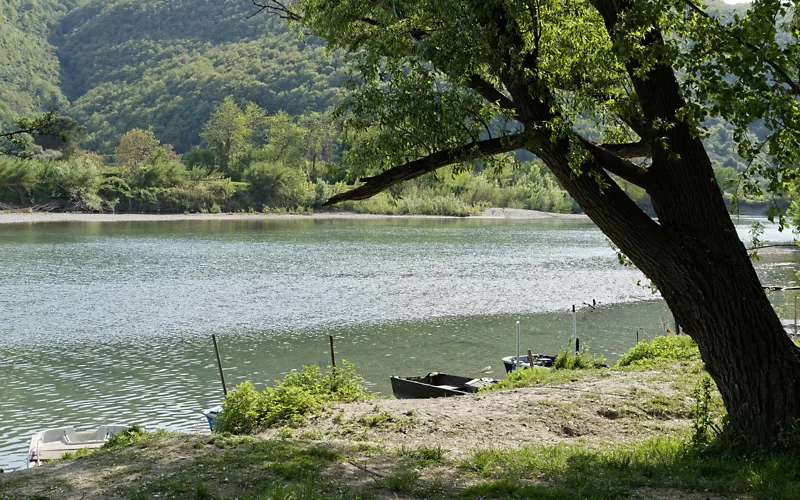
(611, 407)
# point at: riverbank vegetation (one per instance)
(648, 427)
(251, 161)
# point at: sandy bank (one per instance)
(372, 449)
(40, 217)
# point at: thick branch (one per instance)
(641, 149)
(490, 92)
(417, 168)
(618, 166)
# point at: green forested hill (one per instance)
(140, 63)
(122, 64)
(29, 67)
(116, 65)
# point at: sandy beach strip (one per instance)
(22, 217)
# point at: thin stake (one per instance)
(575, 327)
(219, 363)
(795, 315)
(516, 360)
(333, 356)
(530, 358)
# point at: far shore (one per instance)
(22, 217)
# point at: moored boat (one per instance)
(437, 385)
(211, 414)
(51, 444)
(539, 361)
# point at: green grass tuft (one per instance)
(660, 351)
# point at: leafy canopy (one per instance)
(428, 77)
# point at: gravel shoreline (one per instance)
(43, 217)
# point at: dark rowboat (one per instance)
(539, 361)
(437, 385)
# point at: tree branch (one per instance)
(417, 168)
(490, 92)
(616, 165)
(641, 149)
(749, 46)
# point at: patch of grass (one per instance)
(539, 376)
(250, 466)
(660, 351)
(663, 407)
(615, 471)
(230, 440)
(581, 360)
(70, 455)
(511, 488)
(313, 434)
(423, 457)
(308, 490)
(201, 491)
(285, 432)
(387, 420)
(129, 436)
(408, 482)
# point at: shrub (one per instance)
(159, 173)
(18, 180)
(299, 395)
(661, 350)
(274, 185)
(127, 437)
(76, 180)
(239, 410)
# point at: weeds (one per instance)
(300, 395)
(659, 351)
(581, 360)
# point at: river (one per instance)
(110, 322)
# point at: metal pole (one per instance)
(574, 327)
(516, 360)
(219, 363)
(333, 356)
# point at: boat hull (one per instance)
(436, 385)
(52, 444)
(511, 363)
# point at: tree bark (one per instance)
(692, 254)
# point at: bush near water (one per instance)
(298, 396)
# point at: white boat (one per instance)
(51, 444)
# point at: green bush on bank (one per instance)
(74, 182)
(666, 349)
(163, 185)
(299, 395)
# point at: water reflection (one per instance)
(109, 323)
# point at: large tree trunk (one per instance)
(692, 252)
(695, 258)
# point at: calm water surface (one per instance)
(110, 322)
